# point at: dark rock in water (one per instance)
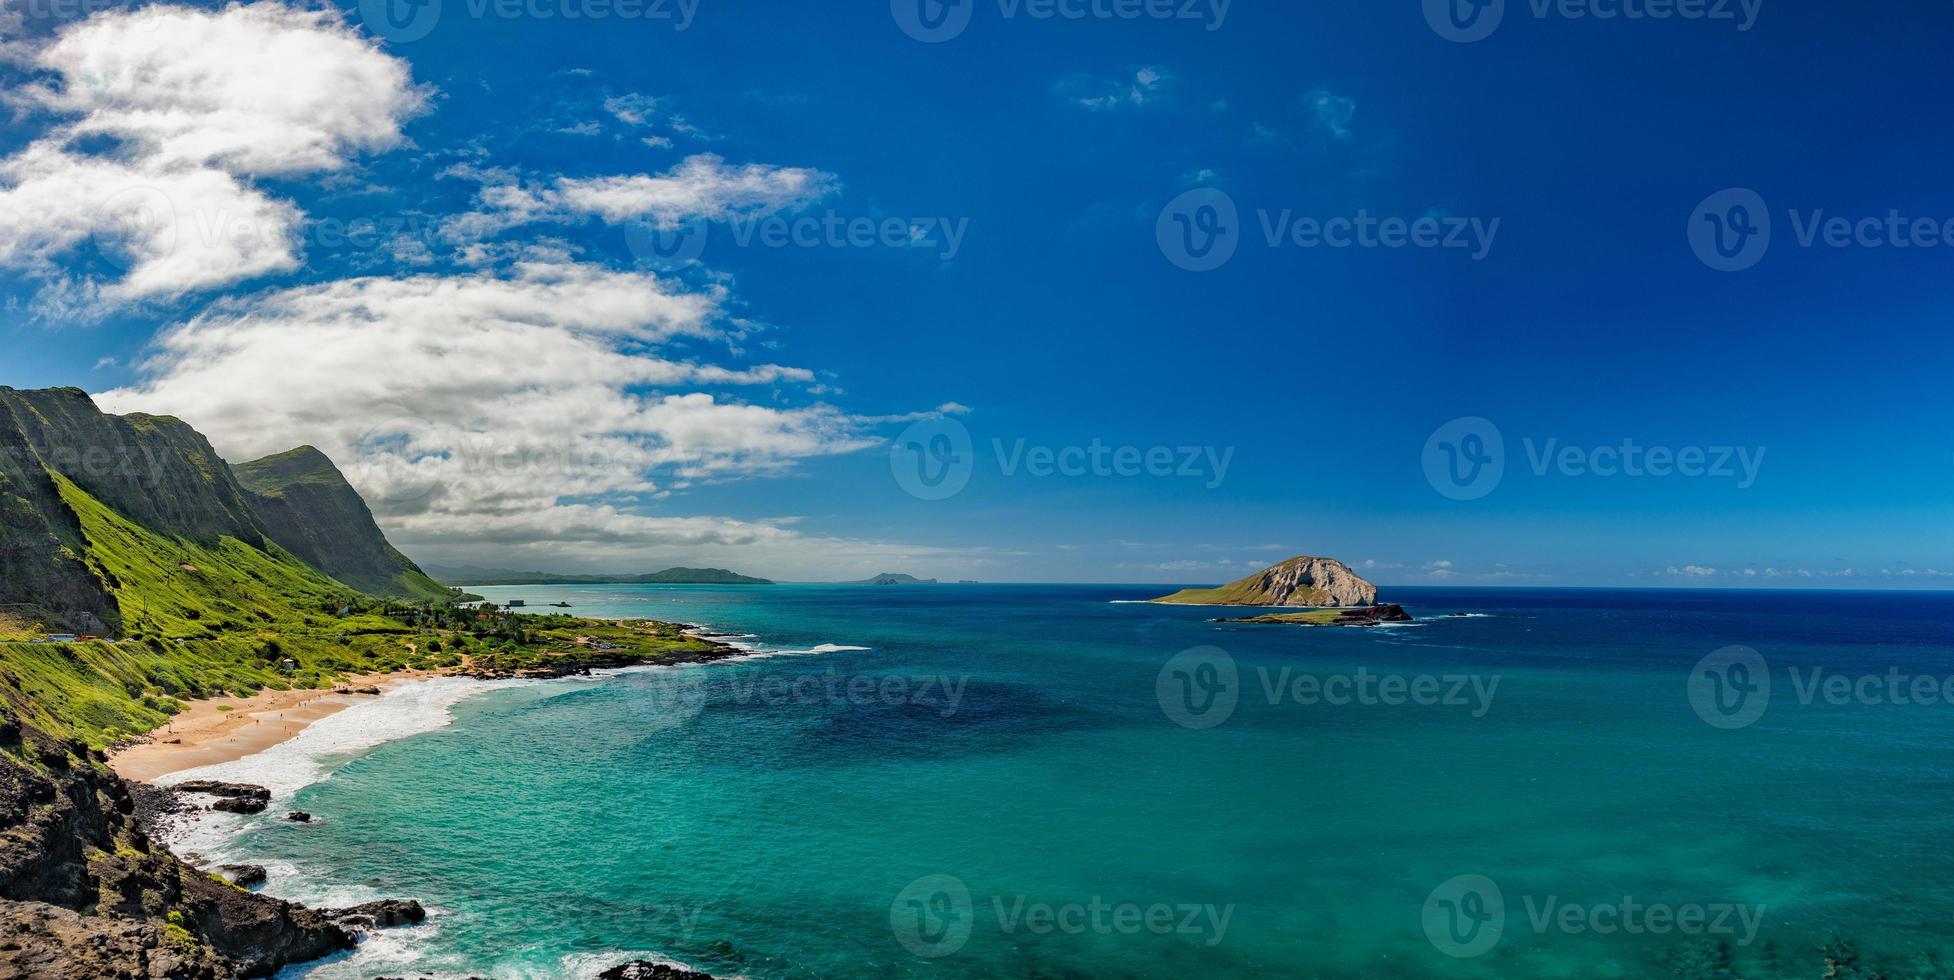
(240, 804)
(1362, 616)
(384, 914)
(646, 970)
(299, 816)
(211, 787)
(244, 875)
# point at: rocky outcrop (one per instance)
(39, 941)
(85, 894)
(231, 797)
(646, 970)
(244, 875)
(1302, 581)
(384, 914)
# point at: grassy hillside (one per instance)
(43, 578)
(209, 619)
(132, 528)
(308, 507)
(157, 470)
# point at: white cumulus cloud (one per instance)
(179, 109)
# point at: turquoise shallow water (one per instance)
(806, 816)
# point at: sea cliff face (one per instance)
(312, 512)
(161, 476)
(1301, 581)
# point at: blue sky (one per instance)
(516, 380)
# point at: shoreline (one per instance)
(215, 731)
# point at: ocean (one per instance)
(1054, 781)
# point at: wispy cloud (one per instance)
(1144, 86)
(1333, 112)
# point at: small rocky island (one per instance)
(1335, 595)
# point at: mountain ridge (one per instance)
(308, 507)
(91, 502)
(678, 575)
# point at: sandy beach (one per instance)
(227, 729)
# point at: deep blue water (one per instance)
(998, 782)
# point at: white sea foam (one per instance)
(310, 757)
(292, 765)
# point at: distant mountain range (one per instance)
(463, 575)
(892, 578)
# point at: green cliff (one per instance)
(311, 511)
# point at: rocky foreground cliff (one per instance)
(1301, 581)
(85, 894)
